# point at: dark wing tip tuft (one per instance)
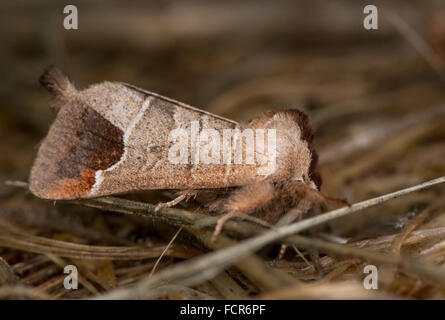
(56, 82)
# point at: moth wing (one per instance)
(113, 138)
(146, 165)
(79, 143)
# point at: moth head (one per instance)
(79, 142)
(296, 155)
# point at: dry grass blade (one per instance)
(370, 137)
(350, 290)
(21, 292)
(418, 43)
(7, 275)
(375, 103)
(165, 251)
(62, 263)
(12, 237)
(400, 238)
(423, 269)
(384, 242)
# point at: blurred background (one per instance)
(375, 97)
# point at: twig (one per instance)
(252, 267)
(311, 222)
(209, 265)
(16, 183)
(183, 217)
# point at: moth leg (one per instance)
(183, 195)
(244, 200)
(295, 214)
(292, 216)
(283, 249)
(221, 222)
(302, 191)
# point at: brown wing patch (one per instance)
(70, 186)
(79, 143)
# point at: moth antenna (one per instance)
(337, 202)
(58, 84)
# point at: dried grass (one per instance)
(375, 101)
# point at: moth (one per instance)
(114, 138)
